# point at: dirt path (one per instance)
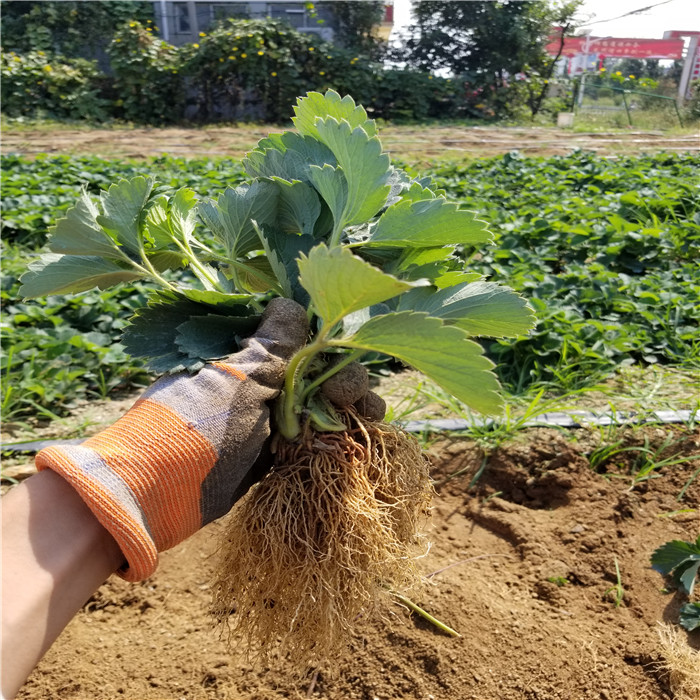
(415, 143)
(523, 568)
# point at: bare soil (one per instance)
(522, 566)
(419, 143)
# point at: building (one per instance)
(181, 22)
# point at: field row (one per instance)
(606, 250)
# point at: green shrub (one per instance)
(37, 84)
(146, 76)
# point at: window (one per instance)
(182, 18)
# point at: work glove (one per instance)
(188, 449)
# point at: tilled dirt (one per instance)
(522, 566)
(416, 143)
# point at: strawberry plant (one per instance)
(377, 259)
(681, 561)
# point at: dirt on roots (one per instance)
(522, 566)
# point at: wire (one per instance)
(627, 14)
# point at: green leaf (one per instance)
(182, 215)
(299, 207)
(690, 616)
(65, 274)
(154, 330)
(680, 558)
(443, 353)
(258, 276)
(214, 298)
(231, 217)
(80, 234)
(364, 166)
(290, 157)
(283, 251)
(167, 260)
(427, 224)
(340, 283)
(123, 204)
(156, 225)
(333, 187)
(213, 336)
(315, 105)
(480, 308)
(455, 277)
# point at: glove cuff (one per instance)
(113, 504)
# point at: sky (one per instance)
(676, 14)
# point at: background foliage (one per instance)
(605, 249)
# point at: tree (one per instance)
(356, 21)
(487, 43)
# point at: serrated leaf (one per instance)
(290, 158)
(283, 251)
(230, 217)
(299, 207)
(66, 274)
(443, 353)
(152, 332)
(123, 204)
(480, 308)
(690, 616)
(78, 233)
(156, 225)
(340, 282)
(428, 224)
(213, 336)
(455, 277)
(333, 187)
(365, 167)
(330, 104)
(182, 215)
(686, 573)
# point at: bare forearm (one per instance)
(55, 554)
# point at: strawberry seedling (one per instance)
(377, 259)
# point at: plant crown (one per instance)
(376, 257)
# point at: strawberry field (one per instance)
(543, 535)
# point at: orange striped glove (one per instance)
(188, 449)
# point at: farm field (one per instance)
(541, 536)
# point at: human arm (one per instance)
(55, 554)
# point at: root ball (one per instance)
(347, 386)
(320, 538)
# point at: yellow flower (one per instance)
(235, 48)
(261, 53)
(430, 77)
(221, 60)
(18, 59)
(148, 29)
(48, 69)
(618, 73)
(202, 34)
(244, 55)
(602, 70)
(274, 74)
(322, 72)
(132, 24)
(231, 58)
(196, 46)
(311, 48)
(631, 76)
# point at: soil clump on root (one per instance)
(321, 538)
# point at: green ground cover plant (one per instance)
(605, 249)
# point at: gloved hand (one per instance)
(187, 450)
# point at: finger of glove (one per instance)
(284, 327)
(347, 386)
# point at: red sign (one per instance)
(621, 48)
